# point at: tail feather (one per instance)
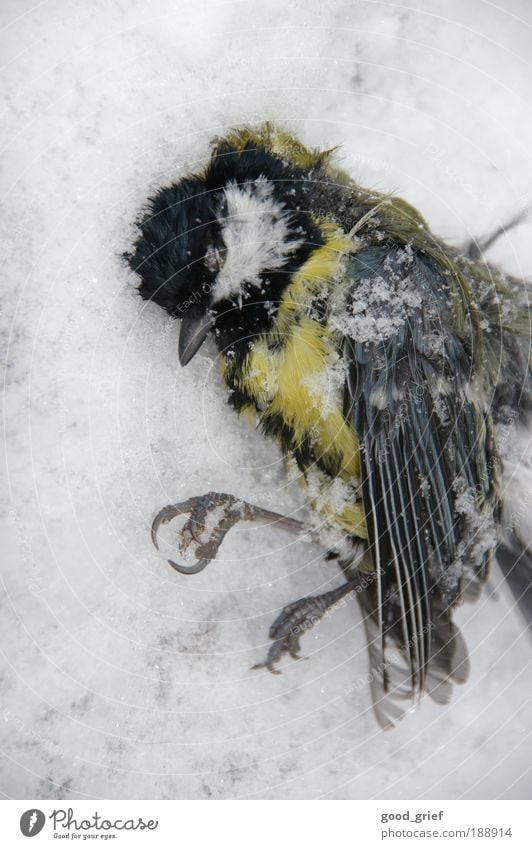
(449, 660)
(391, 676)
(391, 683)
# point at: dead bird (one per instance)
(385, 363)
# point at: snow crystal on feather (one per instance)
(479, 537)
(256, 234)
(328, 499)
(325, 387)
(380, 305)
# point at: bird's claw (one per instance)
(296, 619)
(285, 644)
(198, 509)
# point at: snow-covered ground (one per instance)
(120, 677)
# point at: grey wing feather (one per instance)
(424, 442)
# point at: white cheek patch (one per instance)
(255, 232)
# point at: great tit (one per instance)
(381, 359)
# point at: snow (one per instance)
(122, 678)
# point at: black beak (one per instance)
(192, 334)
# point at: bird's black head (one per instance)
(218, 249)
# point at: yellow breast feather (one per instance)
(295, 374)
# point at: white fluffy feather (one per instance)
(254, 230)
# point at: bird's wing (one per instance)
(427, 457)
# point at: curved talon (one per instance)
(268, 666)
(188, 536)
(197, 567)
(294, 649)
(165, 515)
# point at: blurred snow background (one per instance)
(121, 678)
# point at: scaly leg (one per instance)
(297, 618)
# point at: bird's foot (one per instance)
(294, 620)
(210, 517)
